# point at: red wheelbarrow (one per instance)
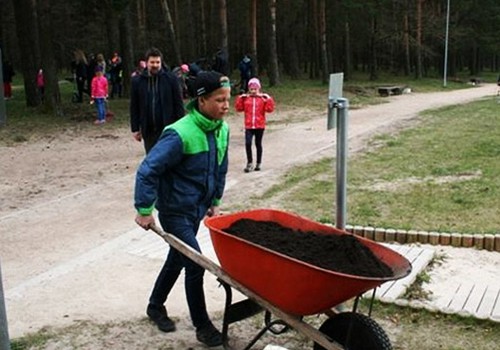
(288, 288)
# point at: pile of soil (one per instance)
(342, 253)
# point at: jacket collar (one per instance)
(205, 123)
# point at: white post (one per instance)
(4, 329)
(342, 148)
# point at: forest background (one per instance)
(286, 38)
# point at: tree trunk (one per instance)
(373, 49)
(111, 28)
(191, 34)
(322, 36)
(127, 48)
(419, 40)
(141, 22)
(274, 76)
(406, 41)
(52, 95)
(27, 35)
(224, 45)
(171, 32)
(314, 50)
(347, 50)
(176, 26)
(204, 46)
(253, 25)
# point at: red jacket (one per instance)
(99, 87)
(255, 108)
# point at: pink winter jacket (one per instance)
(99, 88)
(255, 108)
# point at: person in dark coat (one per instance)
(91, 69)
(246, 72)
(221, 62)
(80, 71)
(155, 100)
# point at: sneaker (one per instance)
(209, 335)
(257, 167)
(99, 122)
(248, 168)
(158, 314)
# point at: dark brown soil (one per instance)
(341, 253)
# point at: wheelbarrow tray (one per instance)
(293, 286)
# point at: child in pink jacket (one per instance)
(99, 94)
(255, 105)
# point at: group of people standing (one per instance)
(84, 70)
(96, 77)
(184, 171)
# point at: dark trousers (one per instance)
(80, 85)
(249, 134)
(185, 229)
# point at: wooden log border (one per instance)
(489, 242)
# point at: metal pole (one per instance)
(4, 330)
(446, 43)
(342, 122)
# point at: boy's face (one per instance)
(216, 104)
(154, 64)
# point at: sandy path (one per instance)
(66, 213)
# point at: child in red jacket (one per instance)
(255, 105)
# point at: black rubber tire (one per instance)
(366, 334)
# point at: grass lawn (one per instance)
(439, 176)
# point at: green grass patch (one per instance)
(424, 330)
(438, 176)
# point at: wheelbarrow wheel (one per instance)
(365, 333)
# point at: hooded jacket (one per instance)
(99, 87)
(145, 89)
(185, 173)
(255, 108)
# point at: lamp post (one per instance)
(446, 42)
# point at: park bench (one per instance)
(385, 91)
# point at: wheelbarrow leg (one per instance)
(236, 312)
(268, 327)
(242, 310)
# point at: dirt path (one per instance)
(66, 213)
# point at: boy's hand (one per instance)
(145, 221)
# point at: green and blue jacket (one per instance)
(185, 172)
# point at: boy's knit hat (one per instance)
(254, 82)
(99, 68)
(207, 82)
